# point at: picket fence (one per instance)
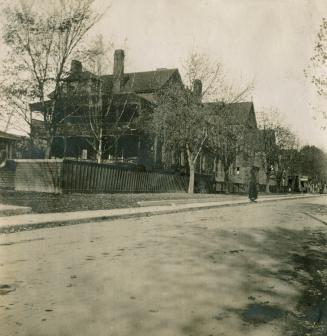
(81, 176)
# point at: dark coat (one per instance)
(253, 192)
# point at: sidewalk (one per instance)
(34, 221)
(216, 198)
(12, 210)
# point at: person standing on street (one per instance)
(253, 192)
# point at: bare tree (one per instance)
(105, 116)
(276, 146)
(313, 163)
(288, 158)
(16, 97)
(317, 71)
(181, 119)
(225, 140)
(217, 84)
(181, 123)
(225, 133)
(41, 41)
(95, 58)
(266, 145)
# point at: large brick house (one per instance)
(124, 97)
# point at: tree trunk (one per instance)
(155, 150)
(65, 146)
(99, 151)
(226, 180)
(268, 183)
(191, 180)
(98, 156)
(47, 151)
(191, 165)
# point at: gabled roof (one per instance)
(122, 98)
(142, 82)
(233, 113)
(127, 97)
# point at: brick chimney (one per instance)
(197, 89)
(118, 71)
(76, 67)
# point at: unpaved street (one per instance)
(258, 270)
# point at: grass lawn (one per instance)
(44, 202)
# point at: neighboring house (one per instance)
(123, 97)
(8, 146)
(241, 118)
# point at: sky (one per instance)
(268, 41)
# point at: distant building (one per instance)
(242, 119)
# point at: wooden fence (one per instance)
(38, 175)
(32, 175)
(7, 177)
(79, 176)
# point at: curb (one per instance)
(138, 212)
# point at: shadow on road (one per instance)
(282, 272)
(294, 259)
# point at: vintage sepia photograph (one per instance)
(163, 167)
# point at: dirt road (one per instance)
(250, 270)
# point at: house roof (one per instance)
(142, 82)
(234, 113)
(127, 97)
(117, 98)
(8, 136)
